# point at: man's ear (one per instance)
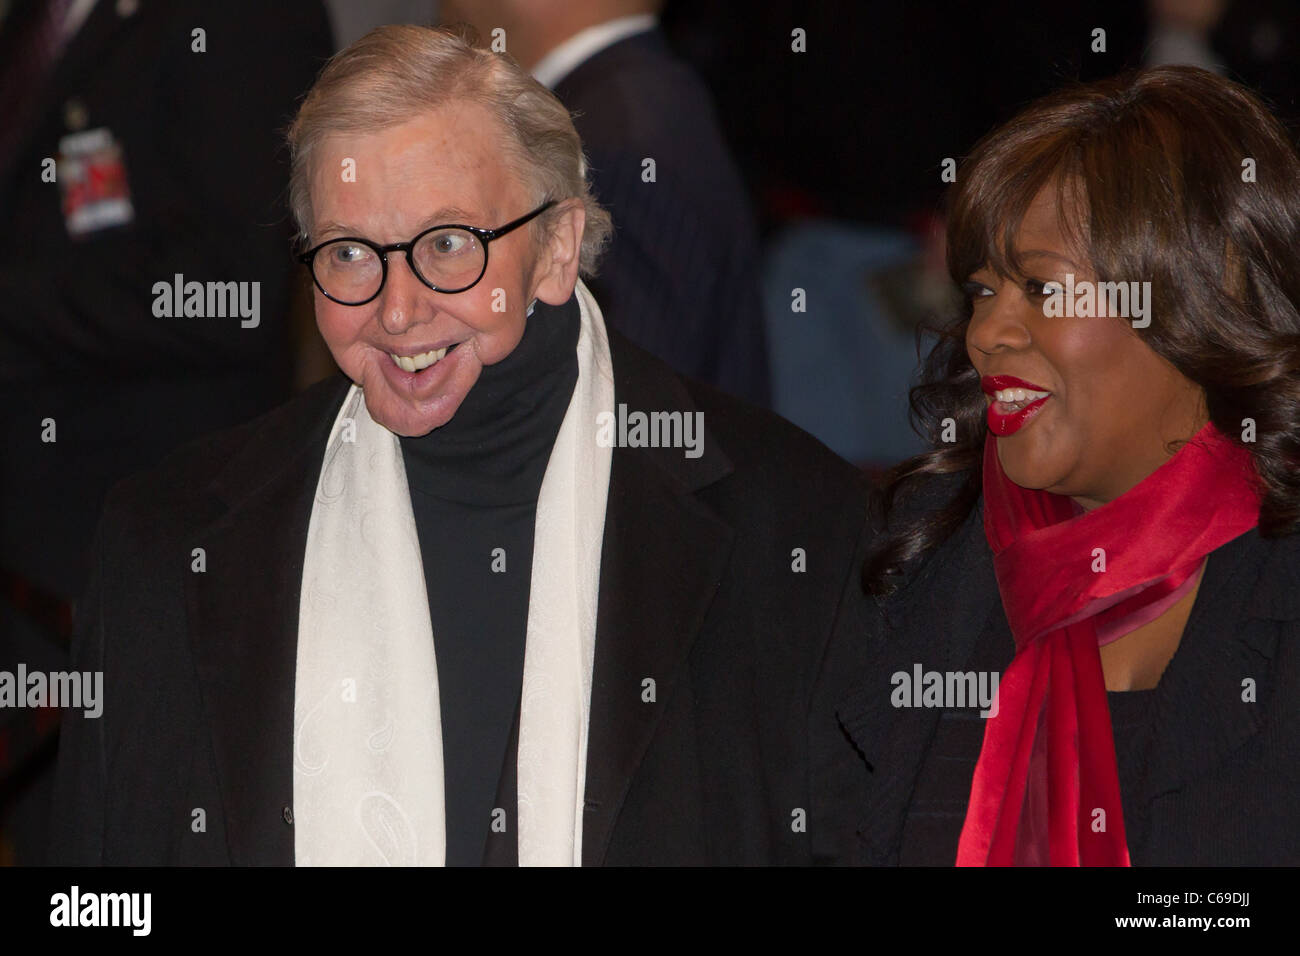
(557, 262)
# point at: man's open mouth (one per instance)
(418, 363)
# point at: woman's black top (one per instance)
(938, 809)
(1209, 760)
(474, 486)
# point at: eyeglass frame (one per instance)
(484, 236)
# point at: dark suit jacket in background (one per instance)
(1223, 776)
(681, 278)
(696, 591)
(202, 137)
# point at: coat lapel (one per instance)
(918, 625)
(663, 556)
(1201, 716)
(243, 619)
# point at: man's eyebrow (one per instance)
(332, 228)
(447, 215)
(450, 215)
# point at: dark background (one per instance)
(856, 127)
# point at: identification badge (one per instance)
(92, 179)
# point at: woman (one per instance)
(1105, 529)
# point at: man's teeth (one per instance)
(1012, 396)
(414, 363)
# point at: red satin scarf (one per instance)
(1047, 766)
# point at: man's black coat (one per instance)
(721, 578)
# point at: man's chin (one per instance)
(412, 417)
(412, 421)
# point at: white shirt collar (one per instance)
(583, 45)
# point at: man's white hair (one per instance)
(395, 73)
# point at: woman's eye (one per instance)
(1042, 289)
(975, 290)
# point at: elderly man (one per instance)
(510, 591)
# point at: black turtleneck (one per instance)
(474, 486)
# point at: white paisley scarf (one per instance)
(367, 754)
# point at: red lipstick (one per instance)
(1007, 419)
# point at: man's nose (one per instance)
(404, 301)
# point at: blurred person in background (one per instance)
(139, 153)
(681, 278)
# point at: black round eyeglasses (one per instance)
(449, 258)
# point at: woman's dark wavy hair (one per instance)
(1154, 182)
